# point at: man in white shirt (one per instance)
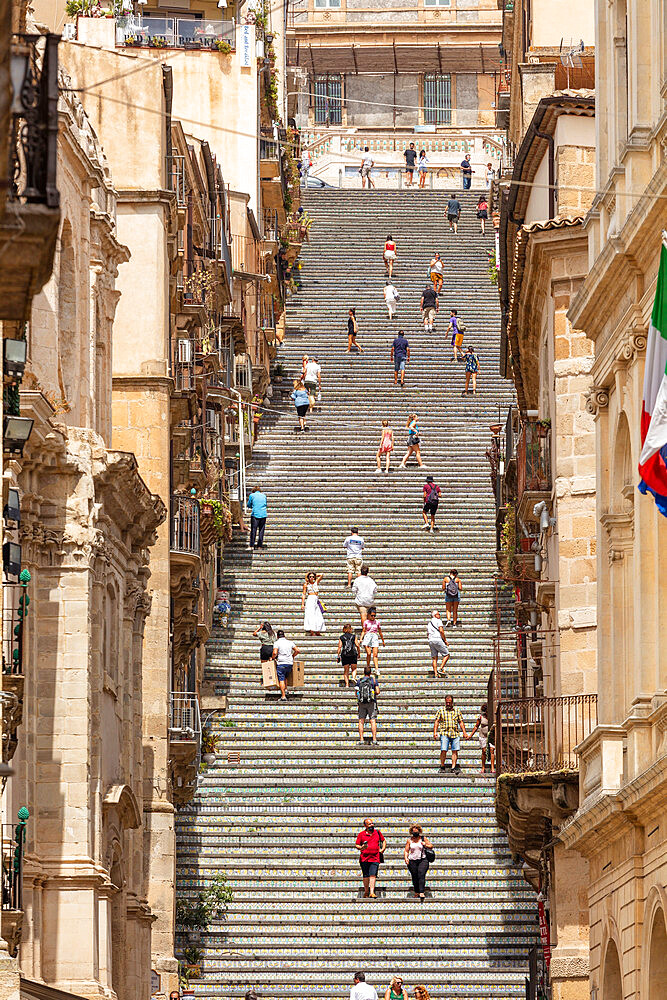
(361, 989)
(312, 380)
(391, 297)
(354, 546)
(364, 590)
(435, 631)
(284, 652)
(365, 169)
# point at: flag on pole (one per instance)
(653, 458)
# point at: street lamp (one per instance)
(15, 353)
(15, 433)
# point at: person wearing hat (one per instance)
(435, 631)
(431, 501)
(396, 991)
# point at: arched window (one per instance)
(111, 626)
(612, 981)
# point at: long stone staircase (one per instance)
(279, 812)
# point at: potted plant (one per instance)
(222, 45)
(158, 42)
(209, 746)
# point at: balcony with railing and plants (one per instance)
(533, 467)
(540, 735)
(269, 155)
(184, 535)
(137, 31)
(15, 611)
(12, 849)
(31, 218)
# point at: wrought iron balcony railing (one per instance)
(184, 525)
(185, 720)
(33, 148)
(12, 845)
(15, 602)
(540, 734)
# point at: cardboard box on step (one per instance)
(270, 676)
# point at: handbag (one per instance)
(322, 607)
(412, 439)
(429, 854)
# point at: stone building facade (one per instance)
(619, 826)
(544, 458)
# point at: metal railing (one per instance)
(533, 458)
(184, 525)
(15, 602)
(185, 719)
(540, 734)
(183, 364)
(34, 125)
(175, 33)
(176, 178)
(12, 846)
(269, 149)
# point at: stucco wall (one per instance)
(376, 95)
(553, 20)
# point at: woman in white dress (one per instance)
(313, 619)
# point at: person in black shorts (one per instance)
(266, 635)
(410, 155)
(453, 213)
(431, 501)
(348, 653)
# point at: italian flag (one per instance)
(653, 458)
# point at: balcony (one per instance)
(247, 259)
(533, 468)
(176, 178)
(540, 734)
(176, 33)
(537, 765)
(269, 156)
(15, 603)
(184, 526)
(12, 846)
(184, 744)
(32, 213)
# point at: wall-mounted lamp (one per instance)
(11, 558)
(15, 353)
(12, 511)
(15, 433)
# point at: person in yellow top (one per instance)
(446, 727)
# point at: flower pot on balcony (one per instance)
(494, 428)
(209, 758)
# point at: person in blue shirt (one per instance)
(301, 402)
(400, 355)
(257, 507)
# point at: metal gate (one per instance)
(328, 103)
(437, 99)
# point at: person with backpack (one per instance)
(472, 370)
(348, 653)
(367, 704)
(457, 329)
(371, 846)
(371, 634)
(431, 501)
(418, 854)
(453, 588)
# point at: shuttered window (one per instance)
(437, 99)
(328, 103)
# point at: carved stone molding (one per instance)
(597, 398)
(634, 344)
(621, 532)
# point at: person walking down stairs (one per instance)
(415, 853)
(311, 605)
(301, 403)
(446, 727)
(371, 845)
(371, 636)
(352, 331)
(396, 990)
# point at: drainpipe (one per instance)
(552, 170)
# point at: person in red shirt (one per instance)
(370, 844)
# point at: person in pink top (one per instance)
(371, 635)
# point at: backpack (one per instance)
(433, 492)
(366, 690)
(452, 588)
(460, 326)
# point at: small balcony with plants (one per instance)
(199, 34)
(533, 467)
(12, 849)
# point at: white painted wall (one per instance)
(571, 20)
